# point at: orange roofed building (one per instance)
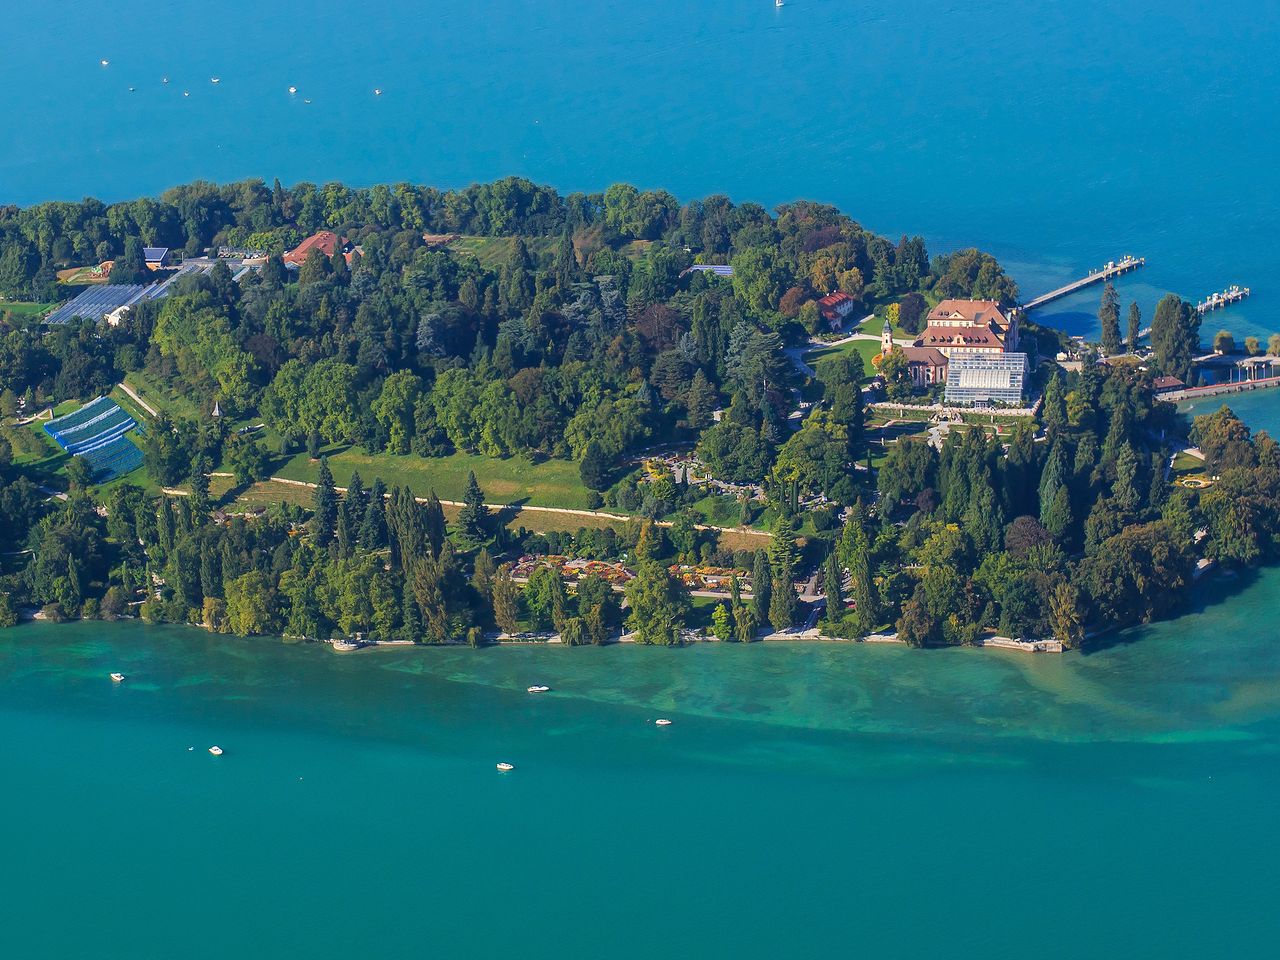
(957, 327)
(326, 241)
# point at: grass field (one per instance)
(552, 483)
(21, 309)
(493, 252)
(865, 348)
(164, 399)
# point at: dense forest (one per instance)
(571, 328)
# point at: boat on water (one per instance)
(105, 63)
(215, 79)
(377, 91)
(539, 688)
(777, 3)
(663, 722)
(118, 677)
(216, 750)
(293, 89)
(505, 767)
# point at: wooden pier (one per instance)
(1217, 301)
(1217, 389)
(1112, 269)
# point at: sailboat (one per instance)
(777, 3)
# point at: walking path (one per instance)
(525, 508)
(137, 399)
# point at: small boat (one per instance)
(377, 91)
(539, 688)
(306, 101)
(105, 63)
(164, 79)
(131, 89)
(293, 89)
(663, 722)
(118, 677)
(186, 93)
(505, 767)
(215, 79)
(216, 751)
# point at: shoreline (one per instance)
(690, 638)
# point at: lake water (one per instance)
(1058, 136)
(808, 800)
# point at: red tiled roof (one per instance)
(975, 311)
(835, 299)
(927, 355)
(326, 241)
(974, 336)
(1167, 383)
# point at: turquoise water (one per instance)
(808, 800)
(1056, 135)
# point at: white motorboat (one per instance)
(118, 677)
(539, 688)
(105, 63)
(293, 89)
(663, 722)
(215, 79)
(505, 767)
(216, 750)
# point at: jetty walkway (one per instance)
(1239, 386)
(1112, 269)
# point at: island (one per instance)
(500, 414)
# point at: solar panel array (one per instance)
(96, 432)
(96, 302)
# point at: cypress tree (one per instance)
(373, 528)
(506, 600)
(411, 616)
(210, 571)
(761, 587)
(200, 489)
(831, 585)
(1135, 326)
(432, 519)
(1109, 318)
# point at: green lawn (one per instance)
(493, 252)
(552, 483)
(1186, 465)
(865, 348)
(165, 399)
(21, 309)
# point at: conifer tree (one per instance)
(200, 489)
(506, 600)
(594, 468)
(325, 518)
(471, 519)
(373, 528)
(761, 587)
(1135, 326)
(1109, 318)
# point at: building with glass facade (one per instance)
(984, 379)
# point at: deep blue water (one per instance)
(1055, 135)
